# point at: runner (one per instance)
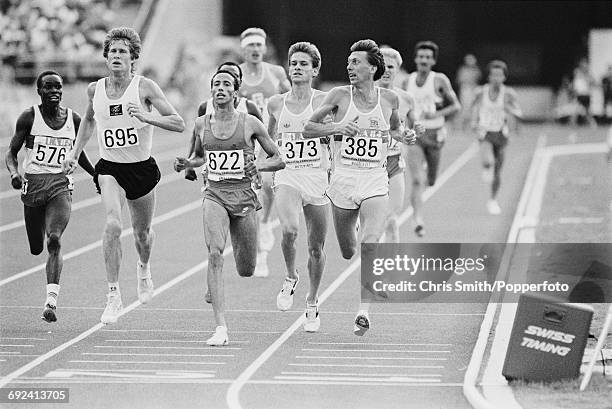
(242, 105)
(395, 158)
(48, 131)
(262, 80)
(120, 107)
(226, 140)
(365, 116)
(301, 186)
(493, 102)
(434, 100)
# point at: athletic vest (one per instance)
(49, 146)
(225, 158)
(368, 149)
(297, 152)
(425, 99)
(404, 108)
(492, 117)
(241, 107)
(261, 90)
(121, 138)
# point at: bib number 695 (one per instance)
(119, 137)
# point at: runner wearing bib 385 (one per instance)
(301, 185)
(48, 131)
(120, 107)
(365, 118)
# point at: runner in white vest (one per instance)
(120, 108)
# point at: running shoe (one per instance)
(219, 338)
(145, 284)
(493, 207)
(419, 230)
(284, 299)
(113, 308)
(313, 322)
(362, 323)
(49, 313)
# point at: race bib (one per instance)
(49, 152)
(363, 150)
(223, 165)
(299, 153)
(114, 138)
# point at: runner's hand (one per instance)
(135, 111)
(409, 137)
(250, 169)
(419, 128)
(69, 164)
(17, 181)
(181, 164)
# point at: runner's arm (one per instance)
(396, 129)
(272, 109)
(284, 85)
(22, 129)
(86, 129)
(253, 110)
(447, 93)
(167, 119)
(274, 161)
(317, 127)
(84, 161)
(512, 106)
(196, 158)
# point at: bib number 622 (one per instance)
(120, 137)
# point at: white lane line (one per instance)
(378, 343)
(356, 383)
(82, 204)
(25, 338)
(158, 347)
(104, 374)
(354, 378)
(149, 362)
(580, 220)
(374, 350)
(232, 396)
(140, 354)
(189, 330)
(433, 375)
(132, 370)
(16, 345)
(370, 366)
(169, 340)
(156, 220)
(360, 358)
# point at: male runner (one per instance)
(261, 81)
(434, 100)
(48, 131)
(365, 117)
(301, 185)
(226, 141)
(120, 107)
(492, 104)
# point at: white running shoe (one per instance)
(284, 299)
(145, 284)
(362, 323)
(219, 338)
(266, 236)
(113, 308)
(313, 322)
(261, 266)
(493, 207)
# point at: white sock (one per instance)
(52, 294)
(364, 307)
(113, 287)
(144, 268)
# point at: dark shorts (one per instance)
(238, 201)
(38, 190)
(395, 165)
(137, 178)
(498, 141)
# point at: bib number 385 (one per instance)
(120, 138)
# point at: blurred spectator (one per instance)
(565, 103)
(581, 86)
(606, 87)
(468, 77)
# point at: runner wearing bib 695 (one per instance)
(365, 118)
(300, 187)
(120, 107)
(225, 143)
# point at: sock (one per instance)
(364, 307)
(113, 287)
(144, 271)
(52, 293)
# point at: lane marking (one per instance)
(158, 347)
(374, 350)
(354, 379)
(360, 358)
(376, 343)
(232, 396)
(370, 366)
(358, 374)
(140, 354)
(148, 362)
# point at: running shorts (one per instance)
(310, 183)
(348, 188)
(239, 200)
(136, 178)
(40, 189)
(395, 165)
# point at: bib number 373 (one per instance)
(120, 138)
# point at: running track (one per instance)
(415, 355)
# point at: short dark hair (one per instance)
(123, 33)
(375, 57)
(427, 45)
(307, 48)
(233, 64)
(497, 64)
(236, 80)
(44, 74)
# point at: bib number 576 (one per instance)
(119, 137)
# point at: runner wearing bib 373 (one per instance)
(365, 117)
(300, 187)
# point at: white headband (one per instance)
(252, 38)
